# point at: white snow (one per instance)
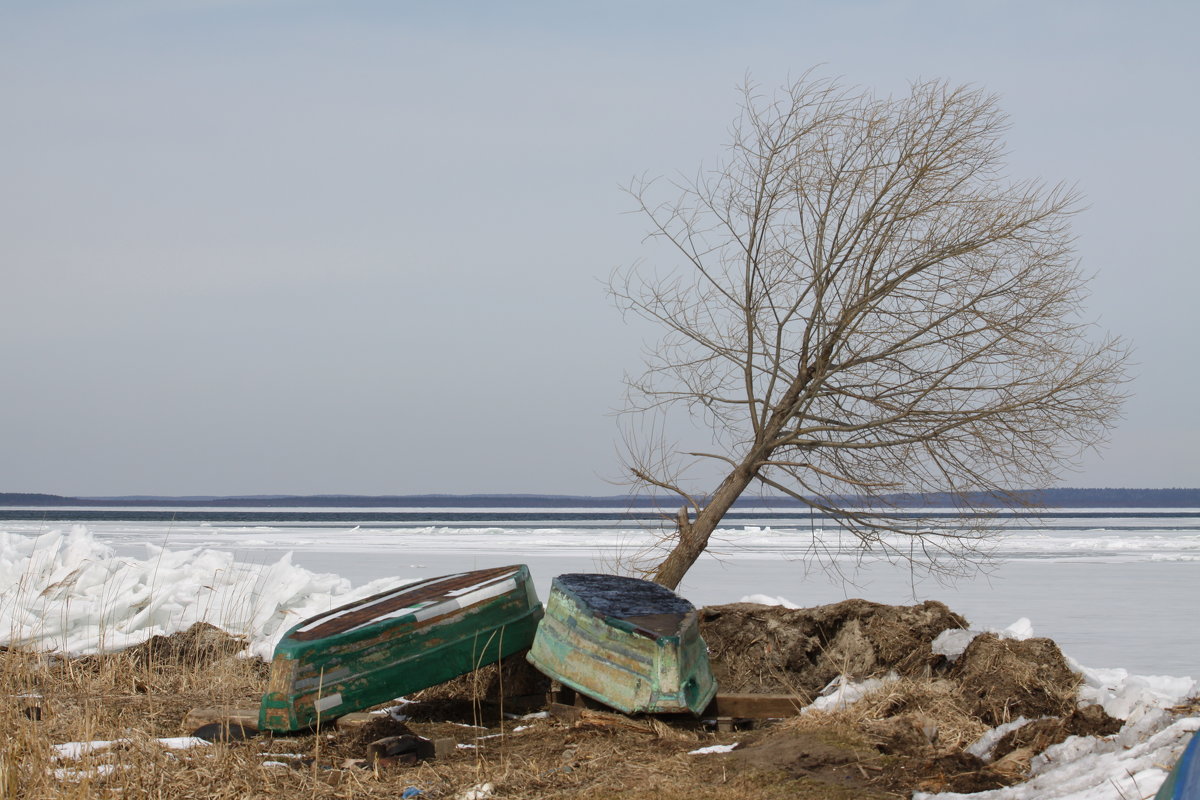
(480, 791)
(768, 600)
(952, 642)
(77, 775)
(64, 591)
(1129, 697)
(1131, 764)
(713, 748)
(1088, 768)
(841, 692)
(1128, 765)
(983, 746)
(183, 742)
(76, 750)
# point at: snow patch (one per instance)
(952, 642)
(983, 746)
(767, 600)
(841, 692)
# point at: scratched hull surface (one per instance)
(628, 643)
(396, 642)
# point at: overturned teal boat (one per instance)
(400, 641)
(628, 643)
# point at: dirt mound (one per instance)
(758, 648)
(199, 645)
(511, 677)
(818, 757)
(910, 734)
(946, 772)
(1003, 679)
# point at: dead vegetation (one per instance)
(770, 649)
(908, 734)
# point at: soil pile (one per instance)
(913, 733)
(1004, 679)
(770, 649)
(199, 645)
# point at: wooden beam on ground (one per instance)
(754, 706)
(248, 718)
(198, 717)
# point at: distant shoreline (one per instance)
(1050, 498)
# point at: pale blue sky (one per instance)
(251, 247)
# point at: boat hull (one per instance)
(393, 643)
(630, 644)
(1183, 782)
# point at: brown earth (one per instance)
(1004, 679)
(908, 735)
(771, 649)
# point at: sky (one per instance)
(254, 247)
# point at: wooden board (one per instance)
(248, 718)
(755, 706)
(723, 705)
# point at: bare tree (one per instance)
(861, 303)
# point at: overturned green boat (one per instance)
(628, 643)
(400, 641)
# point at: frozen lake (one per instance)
(1114, 588)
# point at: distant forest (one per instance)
(1049, 498)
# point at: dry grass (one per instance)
(908, 734)
(932, 708)
(136, 697)
(139, 696)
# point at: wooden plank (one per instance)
(565, 713)
(755, 706)
(729, 705)
(246, 717)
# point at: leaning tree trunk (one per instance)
(693, 535)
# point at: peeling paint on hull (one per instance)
(396, 642)
(630, 644)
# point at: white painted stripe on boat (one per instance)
(323, 618)
(328, 702)
(438, 610)
(413, 611)
(428, 609)
(495, 590)
(468, 589)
